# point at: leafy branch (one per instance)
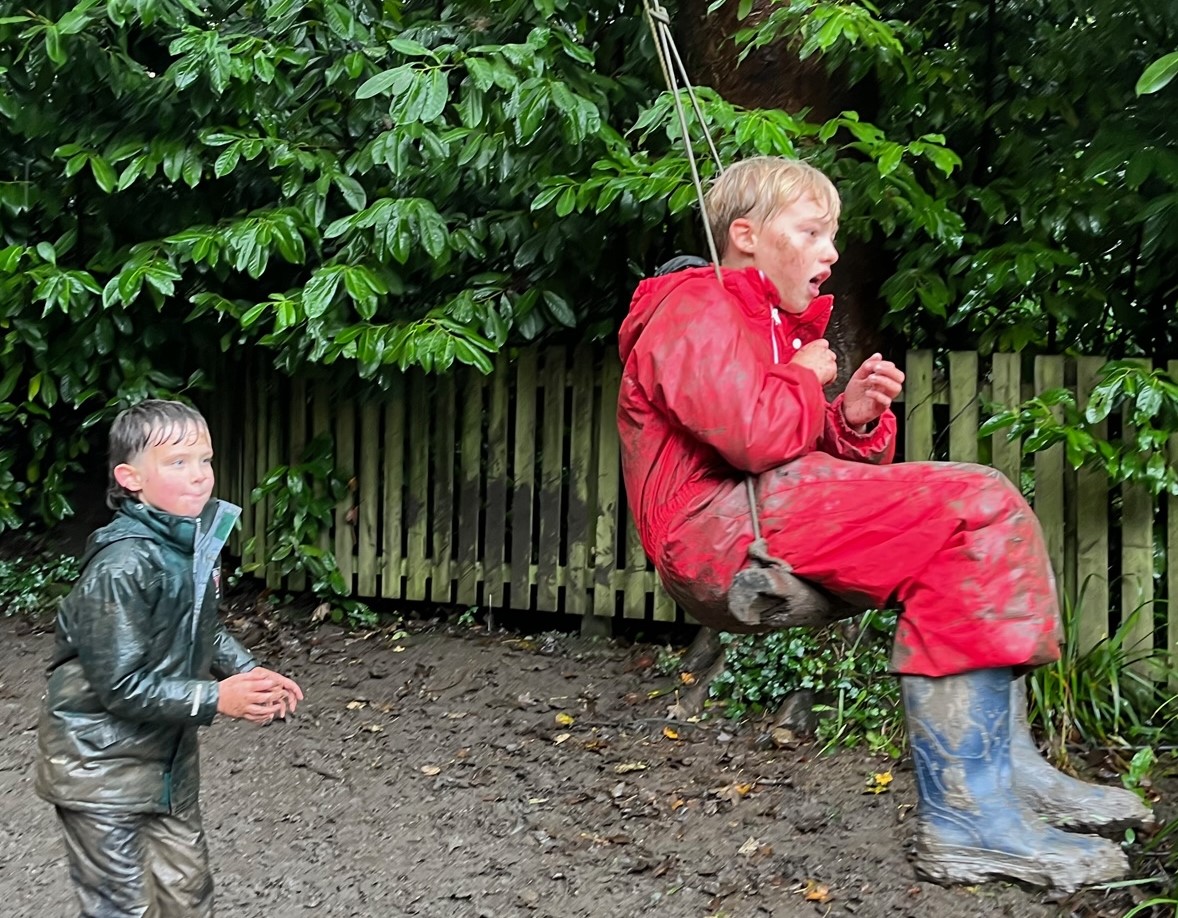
(1148, 400)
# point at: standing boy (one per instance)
(140, 663)
(722, 381)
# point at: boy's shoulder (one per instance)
(120, 545)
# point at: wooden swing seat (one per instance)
(768, 596)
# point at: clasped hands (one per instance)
(259, 696)
(870, 390)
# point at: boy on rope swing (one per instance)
(723, 379)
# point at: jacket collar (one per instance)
(178, 531)
(757, 295)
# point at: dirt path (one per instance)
(431, 776)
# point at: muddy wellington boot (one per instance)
(971, 825)
(1061, 799)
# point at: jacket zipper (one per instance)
(776, 317)
(195, 610)
(191, 662)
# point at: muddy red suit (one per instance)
(708, 396)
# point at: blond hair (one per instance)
(759, 187)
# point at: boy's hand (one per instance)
(818, 357)
(291, 693)
(255, 696)
(870, 390)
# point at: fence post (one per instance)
(963, 406)
(392, 490)
(1049, 471)
(470, 517)
(1092, 550)
(524, 478)
(442, 446)
(578, 522)
(1137, 566)
(496, 574)
(368, 495)
(549, 537)
(345, 517)
(609, 509)
(1006, 454)
(416, 509)
(918, 406)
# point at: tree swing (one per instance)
(764, 595)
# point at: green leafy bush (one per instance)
(303, 498)
(856, 698)
(1105, 695)
(33, 586)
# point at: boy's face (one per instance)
(795, 249)
(175, 475)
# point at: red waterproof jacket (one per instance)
(708, 394)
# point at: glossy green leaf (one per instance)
(1158, 75)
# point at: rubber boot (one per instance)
(971, 825)
(1060, 799)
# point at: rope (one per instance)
(671, 63)
(674, 70)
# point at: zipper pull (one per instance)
(776, 315)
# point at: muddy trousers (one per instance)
(954, 544)
(139, 865)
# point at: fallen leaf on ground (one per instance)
(357, 705)
(625, 767)
(816, 892)
(565, 720)
(879, 783)
(670, 733)
(373, 728)
(734, 792)
(616, 839)
(430, 770)
(687, 678)
(561, 738)
(749, 848)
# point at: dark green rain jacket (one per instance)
(134, 674)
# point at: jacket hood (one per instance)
(749, 286)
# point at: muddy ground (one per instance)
(452, 773)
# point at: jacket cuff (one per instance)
(205, 701)
(867, 444)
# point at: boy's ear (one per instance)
(742, 236)
(128, 476)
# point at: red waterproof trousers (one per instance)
(955, 544)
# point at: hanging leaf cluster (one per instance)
(345, 186)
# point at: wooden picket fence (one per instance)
(505, 491)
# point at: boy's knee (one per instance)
(985, 478)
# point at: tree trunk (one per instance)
(774, 77)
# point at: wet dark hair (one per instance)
(150, 423)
